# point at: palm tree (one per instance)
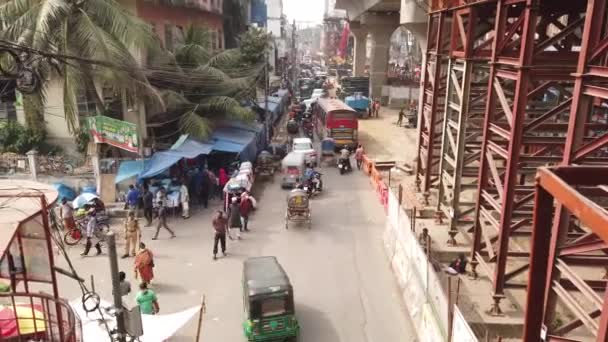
(202, 87)
(101, 30)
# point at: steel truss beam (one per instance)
(530, 85)
(467, 78)
(582, 146)
(501, 121)
(550, 268)
(433, 93)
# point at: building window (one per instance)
(86, 103)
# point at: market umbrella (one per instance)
(30, 320)
(83, 199)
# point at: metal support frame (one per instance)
(530, 104)
(582, 295)
(433, 92)
(516, 139)
(463, 117)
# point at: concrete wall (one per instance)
(421, 288)
(396, 97)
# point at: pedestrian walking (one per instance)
(234, 218)
(66, 212)
(184, 198)
(148, 204)
(162, 221)
(245, 208)
(147, 300)
(401, 115)
(144, 264)
(204, 188)
(370, 109)
(212, 184)
(124, 289)
(132, 198)
(377, 108)
(132, 235)
(222, 179)
(161, 196)
(90, 234)
(220, 225)
(359, 156)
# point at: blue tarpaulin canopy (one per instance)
(184, 148)
(272, 107)
(130, 168)
(235, 140)
(357, 102)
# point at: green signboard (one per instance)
(121, 134)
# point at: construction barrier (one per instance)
(418, 282)
(369, 168)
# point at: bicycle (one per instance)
(74, 236)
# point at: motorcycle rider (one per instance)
(345, 156)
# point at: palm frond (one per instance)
(173, 99)
(50, 18)
(95, 43)
(72, 82)
(228, 57)
(195, 125)
(119, 23)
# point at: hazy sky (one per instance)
(304, 10)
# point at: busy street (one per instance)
(342, 283)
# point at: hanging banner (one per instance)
(117, 133)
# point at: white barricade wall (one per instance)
(421, 287)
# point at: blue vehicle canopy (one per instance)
(357, 102)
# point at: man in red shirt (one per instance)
(220, 225)
(245, 208)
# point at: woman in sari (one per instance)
(223, 178)
(144, 264)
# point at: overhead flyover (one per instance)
(377, 20)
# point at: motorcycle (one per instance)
(344, 165)
(314, 185)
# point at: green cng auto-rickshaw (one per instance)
(268, 301)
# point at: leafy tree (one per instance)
(101, 30)
(202, 87)
(254, 44)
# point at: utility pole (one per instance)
(120, 322)
(294, 56)
(266, 116)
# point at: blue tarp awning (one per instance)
(159, 163)
(272, 107)
(235, 140)
(227, 146)
(130, 168)
(184, 148)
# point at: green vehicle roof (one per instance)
(265, 276)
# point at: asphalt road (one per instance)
(344, 290)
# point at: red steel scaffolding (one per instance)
(571, 306)
(524, 88)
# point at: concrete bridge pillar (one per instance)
(360, 59)
(381, 26)
(415, 20)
